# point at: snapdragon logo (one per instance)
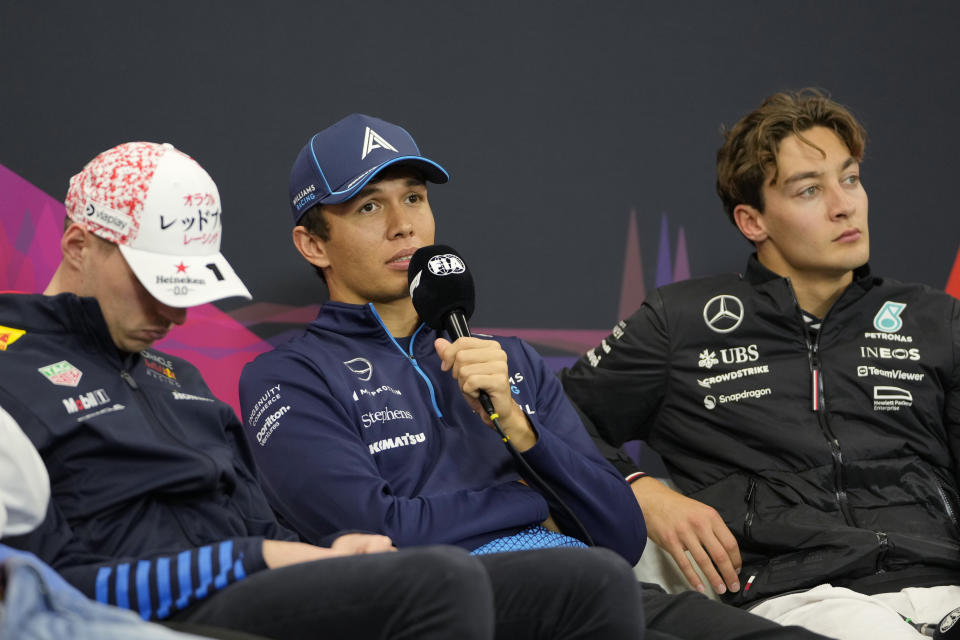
(387, 414)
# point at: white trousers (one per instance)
(840, 613)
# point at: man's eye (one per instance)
(809, 191)
(369, 207)
(852, 179)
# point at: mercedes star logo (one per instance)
(723, 313)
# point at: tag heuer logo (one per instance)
(62, 373)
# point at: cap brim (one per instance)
(185, 281)
(432, 171)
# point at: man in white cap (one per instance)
(155, 503)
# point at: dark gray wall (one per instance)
(554, 118)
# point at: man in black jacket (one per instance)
(155, 502)
(809, 411)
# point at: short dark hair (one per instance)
(750, 147)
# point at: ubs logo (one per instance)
(723, 313)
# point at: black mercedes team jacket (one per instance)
(832, 457)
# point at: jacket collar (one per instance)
(361, 321)
(64, 313)
(757, 274)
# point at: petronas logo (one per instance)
(888, 318)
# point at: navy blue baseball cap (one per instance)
(340, 160)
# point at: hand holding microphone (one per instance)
(443, 294)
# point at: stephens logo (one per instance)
(723, 313)
(888, 318)
(371, 418)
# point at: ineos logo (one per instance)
(723, 313)
(446, 264)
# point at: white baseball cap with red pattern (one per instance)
(163, 211)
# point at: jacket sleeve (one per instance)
(621, 383)
(952, 392)
(320, 476)
(156, 585)
(568, 461)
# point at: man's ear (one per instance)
(751, 223)
(311, 247)
(74, 241)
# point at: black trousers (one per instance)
(429, 593)
(693, 616)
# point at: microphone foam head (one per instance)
(440, 283)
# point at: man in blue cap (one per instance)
(371, 420)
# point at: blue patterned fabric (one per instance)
(535, 537)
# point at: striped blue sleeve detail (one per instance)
(183, 575)
(164, 595)
(238, 572)
(205, 560)
(123, 585)
(226, 559)
(103, 585)
(143, 589)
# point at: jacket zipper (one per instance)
(751, 500)
(818, 400)
(946, 504)
(410, 358)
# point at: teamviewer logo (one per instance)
(862, 372)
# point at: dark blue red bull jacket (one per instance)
(354, 429)
(155, 501)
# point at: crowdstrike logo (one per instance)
(387, 414)
(373, 140)
(723, 313)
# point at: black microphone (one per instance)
(444, 296)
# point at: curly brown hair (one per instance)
(750, 147)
